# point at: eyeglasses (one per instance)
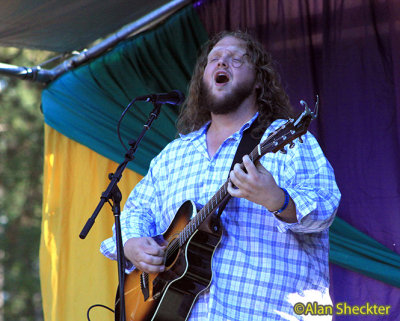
(234, 60)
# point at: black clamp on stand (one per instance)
(113, 193)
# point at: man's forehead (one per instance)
(230, 44)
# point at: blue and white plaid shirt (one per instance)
(262, 266)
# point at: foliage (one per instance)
(21, 168)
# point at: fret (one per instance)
(191, 229)
(276, 141)
(195, 221)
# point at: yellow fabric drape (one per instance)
(74, 275)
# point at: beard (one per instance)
(226, 104)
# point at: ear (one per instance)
(257, 86)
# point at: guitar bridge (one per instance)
(144, 285)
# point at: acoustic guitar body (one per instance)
(170, 295)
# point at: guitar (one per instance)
(170, 295)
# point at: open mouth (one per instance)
(221, 78)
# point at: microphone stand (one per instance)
(113, 192)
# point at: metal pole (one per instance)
(45, 76)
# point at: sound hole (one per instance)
(172, 252)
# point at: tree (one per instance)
(21, 168)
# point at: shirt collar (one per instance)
(239, 133)
(197, 133)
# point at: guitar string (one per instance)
(200, 217)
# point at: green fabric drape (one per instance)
(356, 251)
(86, 103)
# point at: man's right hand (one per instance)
(145, 254)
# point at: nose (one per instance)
(222, 62)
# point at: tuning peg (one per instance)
(292, 144)
(300, 140)
(283, 150)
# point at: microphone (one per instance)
(174, 97)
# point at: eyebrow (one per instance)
(235, 50)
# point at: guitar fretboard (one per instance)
(276, 141)
(211, 206)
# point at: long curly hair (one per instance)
(272, 100)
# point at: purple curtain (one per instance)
(349, 53)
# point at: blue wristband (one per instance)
(285, 204)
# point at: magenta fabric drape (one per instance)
(349, 53)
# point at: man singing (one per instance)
(274, 245)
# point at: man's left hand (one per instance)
(255, 184)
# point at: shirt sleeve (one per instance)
(310, 181)
(138, 217)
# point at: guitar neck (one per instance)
(276, 141)
(213, 204)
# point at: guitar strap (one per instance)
(246, 145)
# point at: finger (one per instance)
(249, 166)
(152, 259)
(260, 167)
(151, 247)
(149, 263)
(234, 180)
(242, 183)
(149, 268)
(164, 244)
(238, 175)
(233, 190)
(239, 170)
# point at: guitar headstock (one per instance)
(289, 131)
